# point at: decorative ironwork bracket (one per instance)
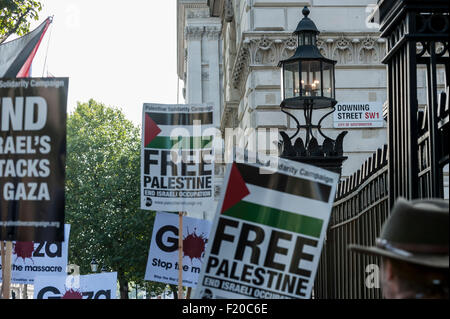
(329, 148)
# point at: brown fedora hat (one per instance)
(416, 232)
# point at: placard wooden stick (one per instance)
(6, 269)
(180, 255)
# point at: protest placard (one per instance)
(163, 263)
(32, 158)
(33, 259)
(177, 166)
(268, 231)
(95, 286)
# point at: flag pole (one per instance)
(180, 255)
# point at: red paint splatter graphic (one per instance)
(194, 245)
(72, 294)
(24, 249)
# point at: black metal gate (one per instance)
(417, 36)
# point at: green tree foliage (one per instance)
(103, 195)
(15, 16)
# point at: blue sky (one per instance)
(121, 53)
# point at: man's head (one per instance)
(414, 246)
(403, 280)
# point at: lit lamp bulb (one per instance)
(314, 87)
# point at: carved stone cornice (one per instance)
(213, 32)
(193, 32)
(364, 49)
(197, 13)
(267, 49)
(241, 64)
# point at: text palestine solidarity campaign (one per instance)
(14, 84)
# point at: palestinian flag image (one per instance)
(155, 123)
(246, 187)
(16, 56)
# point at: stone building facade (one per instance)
(228, 54)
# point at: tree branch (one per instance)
(19, 22)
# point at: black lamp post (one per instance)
(308, 83)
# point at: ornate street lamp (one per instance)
(308, 83)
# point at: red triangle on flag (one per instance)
(151, 130)
(236, 189)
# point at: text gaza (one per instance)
(26, 191)
(50, 292)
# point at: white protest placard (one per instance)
(268, 231)
(358, 115)
(177, 160)
(162, 264)
(95, 286)
(32, 259)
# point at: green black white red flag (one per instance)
(17, 55)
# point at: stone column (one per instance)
(213, 51)
(193, 36)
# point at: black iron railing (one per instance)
(359, 211)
